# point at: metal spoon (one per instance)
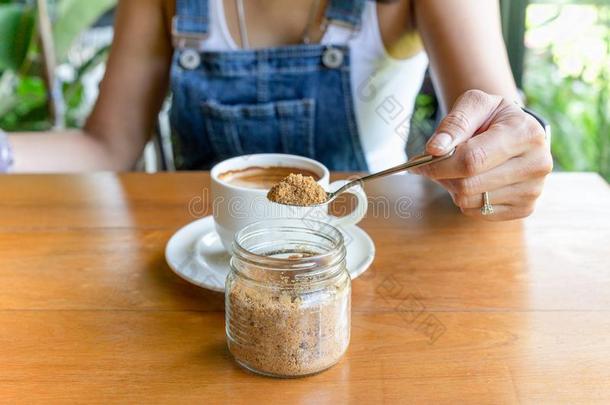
(417, 161)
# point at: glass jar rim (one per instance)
(335, 254)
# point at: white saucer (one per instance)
(195, 253)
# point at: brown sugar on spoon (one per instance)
(297, 189)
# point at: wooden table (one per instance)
(453, 310)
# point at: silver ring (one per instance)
(487, 208)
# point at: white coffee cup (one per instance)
(235, 206)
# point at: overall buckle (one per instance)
(186, 40)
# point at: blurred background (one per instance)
(53, 52)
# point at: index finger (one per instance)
(471, 111)
(477, 155)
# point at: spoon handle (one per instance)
(417, 161)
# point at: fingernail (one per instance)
(441, 142)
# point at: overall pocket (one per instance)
(275, 127)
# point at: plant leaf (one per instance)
(73, 17)
(16, 28)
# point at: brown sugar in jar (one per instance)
(288, 298)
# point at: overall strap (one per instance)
(345, 12)
(191, 22)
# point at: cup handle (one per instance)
(361, 207)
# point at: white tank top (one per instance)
(384, 88)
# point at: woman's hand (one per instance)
(500, 149)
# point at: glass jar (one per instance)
(288, 297)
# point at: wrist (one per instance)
(541, 120)
(6, 153)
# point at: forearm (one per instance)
(131, 95)
(463, 39)
(66, 151)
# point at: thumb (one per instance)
(469, 113)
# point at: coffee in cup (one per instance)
(240, 186)
(263, 177)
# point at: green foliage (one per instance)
(73, 17)
(422, 123)
(576, 104)
(16, 26)
(27, 105)
(23, 95)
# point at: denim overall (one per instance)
(289, 99)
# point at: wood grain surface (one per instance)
(453, 310)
